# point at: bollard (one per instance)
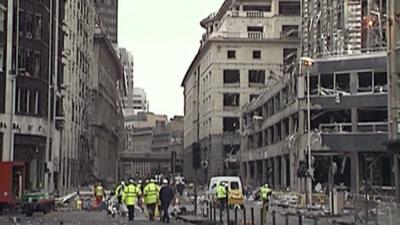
(287, 219)
(252, 216)
(244, 215)
(227, 214)
(215, 213)
(273, 217)
(236, 216)
(262, 215)
(210, 210)
(300, 219)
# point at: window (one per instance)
(260, 8)
(380, 82)
(230, 124)
(326, 82)
(289, 8)
(253, 97)
(231, 99)
(364, 82)
(234, 185)
(255, 29)
(231, 54)
(257, 76)
(343, 82)
(290, 31)
(231, 76)
(256, 54)
(289, 59)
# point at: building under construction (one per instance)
(348, 119)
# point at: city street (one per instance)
(81, 218)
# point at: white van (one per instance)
(235, 189)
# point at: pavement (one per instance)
(80, 218)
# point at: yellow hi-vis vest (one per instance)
(99, 191)
(221, 191)
(264, 192)
(129, 196)
(151, 192)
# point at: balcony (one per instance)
(363, 127)
(250, 14)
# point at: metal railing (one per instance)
(363, 127)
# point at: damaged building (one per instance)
(247, 45)
(348, 106)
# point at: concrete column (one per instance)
(355, 173)
(397, 176)
(283, 172)
(276, 173)
(264, 171)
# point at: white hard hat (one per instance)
(266, 185)
(131, 181)
(152, 180)
(165, 181)
(123, 182)
(140, 181)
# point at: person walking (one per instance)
(119, 190)
(151, 197)
(265, 193)
(99, 193)
(221, 195)
(129, 197)
(166, 197)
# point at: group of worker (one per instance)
(150, 194)
(222, 194)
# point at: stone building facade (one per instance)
(247, 44)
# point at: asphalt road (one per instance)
(80, 218)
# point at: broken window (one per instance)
(289, 8)
(230, 124)
(231, 99)
(257, 76)
(259, 140)
(256, 54)
(375, 114)
(285, 125)
(364, 82)
(380, 82)
(231, 54)
(326, 82)
(314, 84)
(289, 59)
(343, 83)
(250, 142)
(255, 29)
(231, 76)
(290, 31)
(331, 121)
(266, 137)
(271, 137)
(253, 97)
(230, 151)
(277, 102)
(278, 132)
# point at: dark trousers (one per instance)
(131, 212)
(222, 203)
(164, 212)
(151, 208)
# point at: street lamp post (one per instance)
(308, 62)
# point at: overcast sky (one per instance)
(164, 36)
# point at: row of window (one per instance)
(254, 76)
(231, 54)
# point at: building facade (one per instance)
(127, 62)
(79, 24)
(140, 102)
(28, 91)
(107, 10)
(153, 150)
(393, 34)
(348, 109)
(104, 127)
(246, 46)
